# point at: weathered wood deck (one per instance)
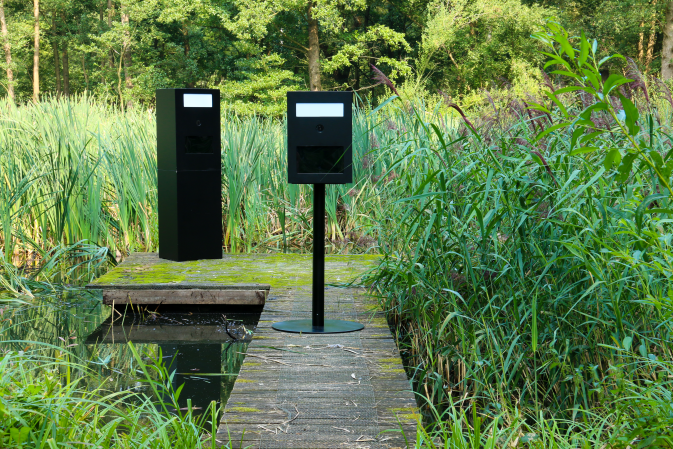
(145, 279)
(320, 391)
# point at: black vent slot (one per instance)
(320, 159)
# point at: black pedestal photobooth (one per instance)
(189, 174)
(319, 149)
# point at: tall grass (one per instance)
(79, 189)
(529, 280)
(43, 405)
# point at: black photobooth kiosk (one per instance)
(189, 174)
(319, 151)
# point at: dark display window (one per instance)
(320, 159)
(199, 144)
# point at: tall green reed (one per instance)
(520, 277)
(79, 189)
(42, 405)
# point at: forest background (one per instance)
(255, 51)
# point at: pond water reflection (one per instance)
(205, 350)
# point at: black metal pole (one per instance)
(318, 324)
(318, 314)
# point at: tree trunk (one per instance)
(641, 43)
(8, 51)
(650, 47)
(126, 54)
(313, 50)
(667, 48)
(110, 12)
(57, 67)
(652, 40)
(185, 34)
(66, 70)
(36, 52)
(86, 75)
(57, 62)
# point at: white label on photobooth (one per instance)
(320, 109)
(198, 100)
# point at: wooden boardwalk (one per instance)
(321, 391)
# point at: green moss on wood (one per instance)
(278, 270)
(390, 360)
(244, 409)
(406, 413)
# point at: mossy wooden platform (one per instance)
(145, 279)
(319, 391)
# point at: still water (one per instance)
(204, 350)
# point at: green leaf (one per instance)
(577, 133)
(642, 207)
(626, 166)
(591, 136)
(583, 150)
(382, 105)
(557, 60)
(660, 210)
(20, 436)
(538, 107)
(551, 129)
(565, 45)
(566, 73)
(631, 115)
(626, 343)
(584, 49)
(607, 58)
(567, 89)
(614, 80)
(596, 107)
(593, 76)
(558, 103)
(612, 158)
(656, 157)
(417, 197)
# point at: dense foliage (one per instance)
(255, 51)
(528, 268)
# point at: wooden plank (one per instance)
(321, 391)
(195, 296)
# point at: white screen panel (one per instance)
(320, 109)
(198, 100)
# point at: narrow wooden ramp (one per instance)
(321, 391)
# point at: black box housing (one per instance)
(319, 148)
(189, 175)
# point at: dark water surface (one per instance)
(205, 350)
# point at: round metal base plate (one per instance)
(306, 327)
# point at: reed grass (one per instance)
(79, 190)
(43, 405)
(530, 288)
